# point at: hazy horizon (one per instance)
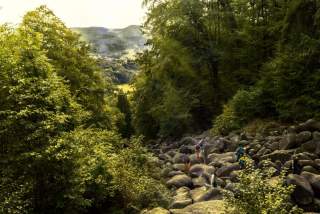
(112, 14)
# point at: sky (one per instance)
(79, 13)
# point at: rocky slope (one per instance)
(192, 189)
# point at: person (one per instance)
(201, 150)
(239, 152)
(197, 149)
(296, 168)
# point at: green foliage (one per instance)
(226, 122)
(71, 60)
(259, 192)
(53, 159)
(135, 176)
(125, 126)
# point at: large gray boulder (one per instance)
(310, 169)
(226, 170)
(292, 140)
(180, 158)
(174, 173)
(281, 155)
(180, 181)
(185, 149)
(205, 194)
(309, 125)
(179, 167)
(199, 181)
(200, 169)
(303, 193)
(157, 210)
(181, 199)
(188, 141)
(205, 207)
(312, 146)
(314, 180)
(316, 136)
(228, 157)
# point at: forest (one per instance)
(73, 142)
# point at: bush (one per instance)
(258, 193)
(226, 122)
(245, 106)
(96, 170)
(135, 177)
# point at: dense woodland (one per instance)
(72, 143)
(238, 60)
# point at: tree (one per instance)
(72, 60)
(36, 106)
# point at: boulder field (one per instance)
(192, 183)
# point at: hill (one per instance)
(114, 43)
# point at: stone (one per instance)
(200, 169)
(282, 155)
(275, 146)
(185, 149)
(179, 167)
(314, 181)
(303, 137)
(316, 136)
(180, 181)
(199, 181)
(158, 210)
(205, 194)
(309, 125)
(165, 171)
(181, 199)
(228, 157)
(288, 142)
(303, 193)
(226, 170)
(193, 159)
(164, 157)
(205, 207)
(171, 153)
(180, 158)
(306, 163)
(188, 141)
(174, 173)
(292, 140)
(310, 169)
(311, 146)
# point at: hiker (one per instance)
(239, 152)
(296, 168)
(201, 150)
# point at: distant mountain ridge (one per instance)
(114, 43)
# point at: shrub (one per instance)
(245, 106)
(134, 173)
(256, 194)
(226, 122)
